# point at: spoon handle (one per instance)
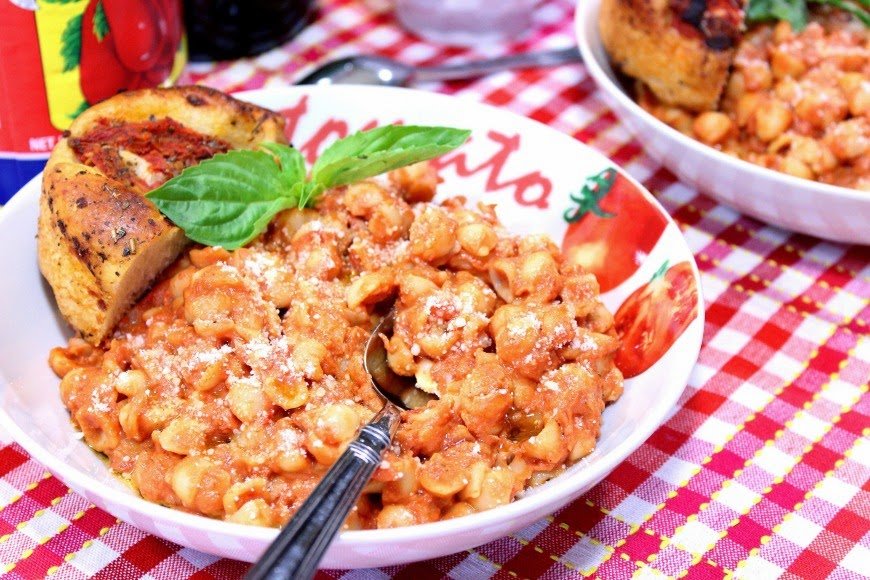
(484, 67)
(297, 550)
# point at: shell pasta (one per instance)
(235, 383)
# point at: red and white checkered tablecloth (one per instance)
(762, 470)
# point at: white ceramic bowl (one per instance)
(818, 209)
(522, 160)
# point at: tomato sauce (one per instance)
(165, 145)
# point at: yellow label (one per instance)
(179, 63)
(63, 89)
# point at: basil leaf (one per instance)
(369, 153)
(230, 199)
(793, 11)
(226, 200)
(307, 193)
(292, 163)
(758, 10)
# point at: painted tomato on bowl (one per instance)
(611, 229)
(654, 316)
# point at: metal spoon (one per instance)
(377, 70)
(299, 547)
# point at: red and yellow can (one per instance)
(58, 57)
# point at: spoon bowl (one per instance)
(401, 391)
(299, 547)
(361, 70)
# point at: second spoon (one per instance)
(378, 70)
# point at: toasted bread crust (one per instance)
(101, 245)
(684, 60)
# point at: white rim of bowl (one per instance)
(583, 17)
(560, 488)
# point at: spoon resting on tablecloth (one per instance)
(378, 70)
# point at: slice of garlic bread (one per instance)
(681, 49)
(101, 243)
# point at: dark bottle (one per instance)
(228, 29)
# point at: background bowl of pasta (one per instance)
(794, 203)
(541, 182)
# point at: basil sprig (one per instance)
(796, 13)
(229, 200)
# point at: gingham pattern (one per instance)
(763, 470)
